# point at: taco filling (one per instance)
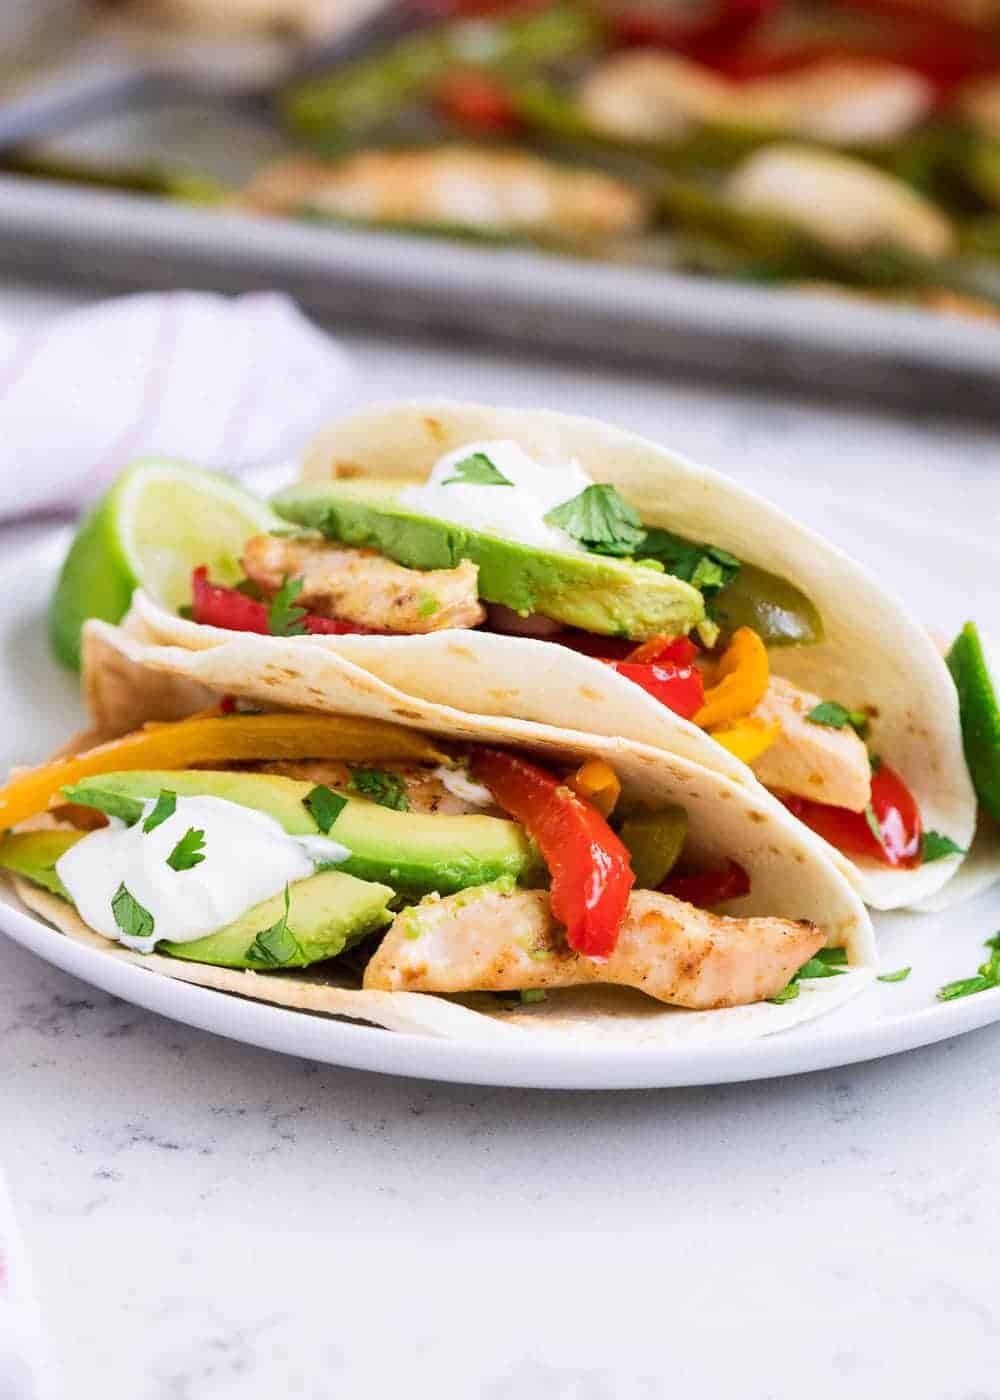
(495, 540)
(272, 842)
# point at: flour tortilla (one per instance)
(874, 653)
(128, 680)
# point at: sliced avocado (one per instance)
(611, 596)
(33, 854)
(415, 852)
(327, 913)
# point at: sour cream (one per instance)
(460, 785)
(248, 858)
(514, 512)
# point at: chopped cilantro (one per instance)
(900, 975)
(836, 716)
(387, 789)
(532, 994)
(988, 976)
(706, 566)
(276, 946)
(428, 605)
(166, 805)
(186, 611)
(324, 806)
(788, 993)
(601, 521)
(476, 470)
(828, 962)
(188, 851)
(934, 846)
(133, 920)
(283, 619)
(874, 762)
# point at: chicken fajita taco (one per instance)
(548, 568)
(459, 878)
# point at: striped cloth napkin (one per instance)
(224, 382)
(27, 1371)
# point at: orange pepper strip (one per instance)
(231, 738)
(743, 675)
(748, 738)
(597, 783)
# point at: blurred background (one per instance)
(806, 190)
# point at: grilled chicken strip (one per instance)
(842, 202)
(362, 586)
(507, 940)
(487, 191)
(426, 790)
(811, 760)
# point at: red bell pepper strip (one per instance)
(893, 810)
(708, 887)
(680, 688)
(681, 651)
(216, 606)
(477, 102)
(590, 868)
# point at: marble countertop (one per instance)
(209, 1221)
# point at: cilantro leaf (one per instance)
(965, 987)
(283, 619)
(476, 470)
(387, 789)
(324, 806)
(133, 920)
(188, 851)
(601, 521)
(788, 993)
(705, 566)
(276, 946)
(935, 846)
(166, 805)
(836, 716)
(874, 762)
(987, 977)
(819, 967)
(899, 976)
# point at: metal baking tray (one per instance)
(515, 297)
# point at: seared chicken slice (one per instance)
(497, 940)
(840, 201)
(811, 760)
(362, 586)
(655, 96)
(426, 790)
(488, 191)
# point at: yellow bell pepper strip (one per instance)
(213, 740)
(597, 783)
(748, 738)
(742, 678)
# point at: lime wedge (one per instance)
(158, 521)
(976, 676)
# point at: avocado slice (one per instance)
(414, 852)
(33, 854)
(327, 913)
(611, 596)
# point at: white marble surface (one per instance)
(209, 1221)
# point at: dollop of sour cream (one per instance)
(248, 858)
(515, 512)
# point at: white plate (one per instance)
(41, 708)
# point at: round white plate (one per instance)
(40, 706)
